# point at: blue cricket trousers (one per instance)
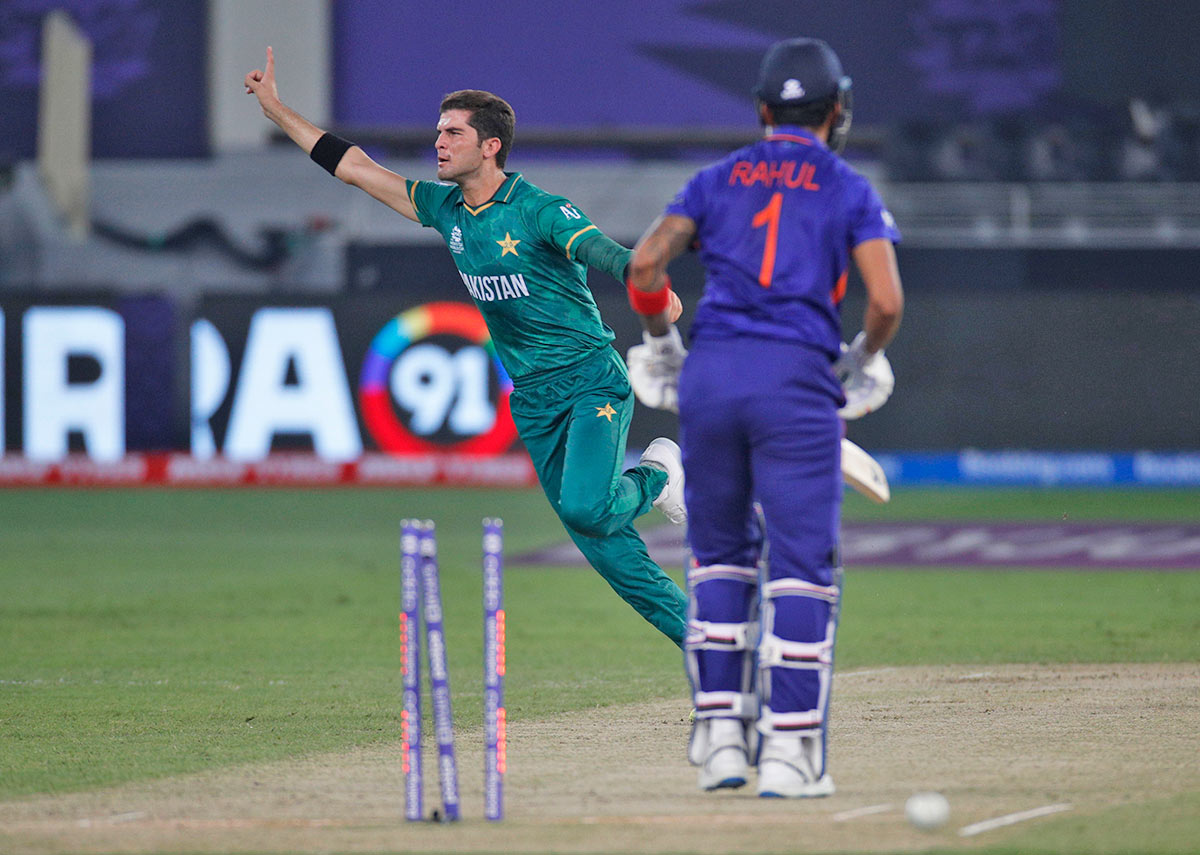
(758, 422)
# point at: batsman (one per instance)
(760, 398)
(523, 254)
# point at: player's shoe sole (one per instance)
(663, 453)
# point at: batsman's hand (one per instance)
(654, 367)
(867, 378)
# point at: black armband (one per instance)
(329, 151)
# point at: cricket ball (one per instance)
(927, 811)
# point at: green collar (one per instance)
(502, 195)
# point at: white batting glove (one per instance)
(654, 367)
(867, 378)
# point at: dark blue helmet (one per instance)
(803, 70)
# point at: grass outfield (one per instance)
(146, 633)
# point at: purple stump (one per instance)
(494, 721)
(410, 669)
(439, 675)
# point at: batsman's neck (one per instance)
(821, 132)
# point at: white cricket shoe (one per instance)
(663, 453)
(726, 765)
(786, 769)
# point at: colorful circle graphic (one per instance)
(456, 319)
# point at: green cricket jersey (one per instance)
(523, 256)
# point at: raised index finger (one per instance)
(270, 62)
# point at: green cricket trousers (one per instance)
(574, 422)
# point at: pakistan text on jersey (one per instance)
(774, 174)
(488, 289)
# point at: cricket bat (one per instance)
(863, 472)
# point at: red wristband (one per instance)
(650, 302)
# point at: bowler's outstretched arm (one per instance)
(355, 168)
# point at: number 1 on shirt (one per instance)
(769, 217)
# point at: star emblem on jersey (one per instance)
(507, 245)
(606, 411)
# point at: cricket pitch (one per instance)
(1077, 740)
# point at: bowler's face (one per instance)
(459, 152)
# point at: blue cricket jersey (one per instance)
(776, 221)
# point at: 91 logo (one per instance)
(442, 391)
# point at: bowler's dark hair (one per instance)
(491, 116)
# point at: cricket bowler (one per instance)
(523, 256)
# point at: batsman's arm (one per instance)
(667, 238)
(656, 363)
(876, 262)
(349, 162)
